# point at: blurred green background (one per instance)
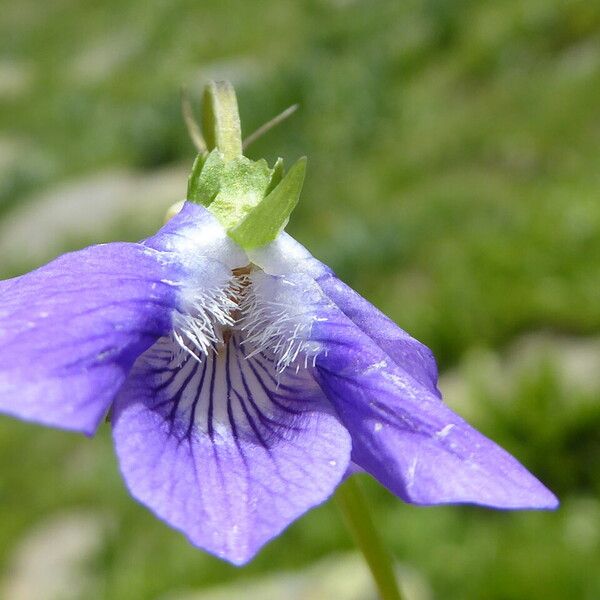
(454, 177)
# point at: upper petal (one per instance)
(225, 449)
(195, 234)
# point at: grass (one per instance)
(453, 180)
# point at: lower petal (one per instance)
(226, 450)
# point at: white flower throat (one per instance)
(263, 310)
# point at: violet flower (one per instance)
(244, 384)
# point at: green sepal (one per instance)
(268, 218)
(252, 201)
(243, 183)
(277, 175)
(192, 186)
(204, 181)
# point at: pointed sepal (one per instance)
(264, 222)
(252, 201)
(243, 185)
(205, 179)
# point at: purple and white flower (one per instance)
(243, 385)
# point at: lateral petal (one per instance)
(408, 353)
(407, 438)
(71, 330)
(286, 256)
(402, 433)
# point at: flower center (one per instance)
(261, 309)
(239, 290)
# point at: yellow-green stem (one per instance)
(352, 502)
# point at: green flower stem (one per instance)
(221, 119)
(352, 502)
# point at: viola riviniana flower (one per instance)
(244, 380)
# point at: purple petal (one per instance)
(195, 233)
(287, 256)
(407, 438)
(407, 352)
(226, 450)
(382, 383)
(70, 331)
